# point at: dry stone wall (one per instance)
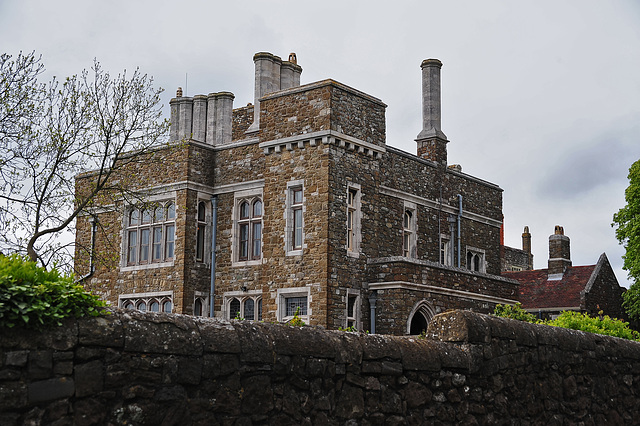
(151, 369)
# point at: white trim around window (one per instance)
(289, 299)
(354, 223)
(246, 235)
(409, 230)
(157, 301)
(475, 259)
(148, 234)
(294, 218)
(353, 316)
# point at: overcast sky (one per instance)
(539, 97)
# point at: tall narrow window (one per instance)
(475, 260)
(407, 233)
(445, 252)
(352, 310)
(353, 220)
(351, 216)
(200, 233)
(249, 230)
(151, 234)
(296, 210)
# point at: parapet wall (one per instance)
(133, 368)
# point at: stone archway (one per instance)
(419, 317)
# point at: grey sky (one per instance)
(539, 97)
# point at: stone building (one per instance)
(564, 287)
(308, 209)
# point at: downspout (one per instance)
(372, 306)
(214, 230)
(459, 219)
(92, 266)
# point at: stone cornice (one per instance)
(392, 192)
(404, 285)
(327, 137)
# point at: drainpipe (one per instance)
(92, 266)
(459, 219)
(372, 305)
(214, 229)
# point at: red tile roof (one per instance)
(537, 291)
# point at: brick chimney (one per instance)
(559, 252)
(432, 142)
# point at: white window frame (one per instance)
(353, 318)
(290, 207)
(353, 223)
(147, 299)
(151, 204)
(283, 294)
(202, 228)
(242, 297)
(409, 231)
(238, 198)
(480, 253)
(445, 246)
(204, 300)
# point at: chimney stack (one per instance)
(432, 142)
(526, 247)
(559, 252)
(272, 75)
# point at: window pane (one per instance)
(351, 306)
(244, 241)
(257, 208)
(244, 210)
(259, 310)
(293, 303)
(166, 306)
(170, 242)
(158, 215)
(197, 308)
(201, 211)
(144, 245)
(146, 216)
(297, 228)
(234, 308)
(128, 305)
(171, 211)
(142, 306)
(133, 246)
(407, 220)
(249, 309)
(154, 306)
(297, 196)
(200, 243)
(157, 243)
(257, 234)
(134, 217)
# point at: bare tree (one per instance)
(88, 123)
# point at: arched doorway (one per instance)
(419, 318)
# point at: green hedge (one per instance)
(602, 324)
(33, 297)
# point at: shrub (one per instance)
(514, 312)
(33, 297)
(600, 325)
(573, 320)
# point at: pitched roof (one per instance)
(538, 292)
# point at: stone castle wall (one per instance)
(148, 369)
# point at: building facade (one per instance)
(296, 205)
(591, 289)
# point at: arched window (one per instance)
(249, 221)
(154, 306)
(128, 305)
(249, 311)
(407, 233)
(234, 308)
(197, 307)
(151, 234)
(166, 306)
(142, 306)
